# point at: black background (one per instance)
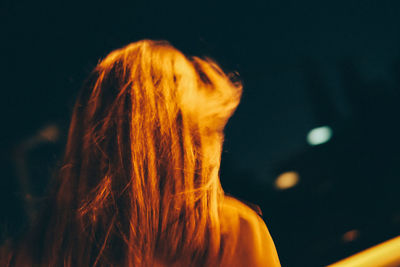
(303, 64)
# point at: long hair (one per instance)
(139, 183)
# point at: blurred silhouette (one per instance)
(48, 134)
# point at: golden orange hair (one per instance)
(139, 184)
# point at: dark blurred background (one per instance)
(315, 141)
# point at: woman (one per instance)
(139, 184)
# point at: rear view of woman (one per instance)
(139, 183)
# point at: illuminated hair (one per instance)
(139, 184)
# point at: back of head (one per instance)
(139, 182)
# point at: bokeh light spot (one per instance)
(287, 180)
(350, 236)
(319, 135)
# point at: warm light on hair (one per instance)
(139, 184)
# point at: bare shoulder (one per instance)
(246, 236)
